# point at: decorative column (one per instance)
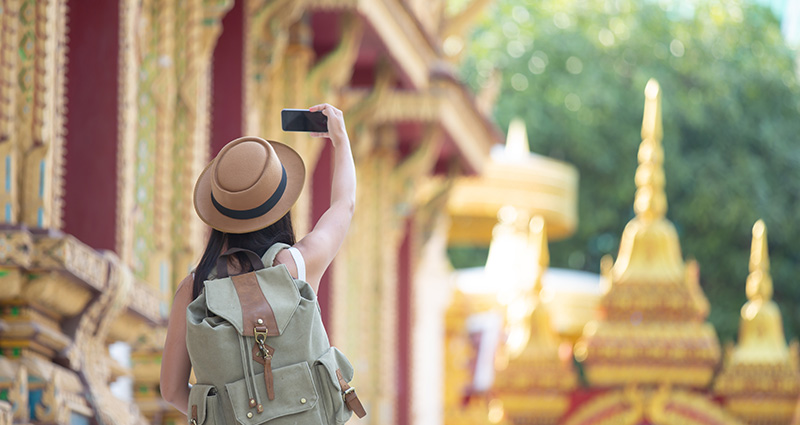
(9, 150)
(166, 50)
(165, 91)
(40, 112)
(32, 60)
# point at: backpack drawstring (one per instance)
(251, 388)
(259, 406)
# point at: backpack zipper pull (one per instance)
(261, 338)
(268, 373)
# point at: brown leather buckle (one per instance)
(348, 391)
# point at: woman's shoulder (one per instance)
(186, 284)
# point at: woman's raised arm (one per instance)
(320, 246)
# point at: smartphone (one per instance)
(304, 120)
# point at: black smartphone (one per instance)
(304, 120)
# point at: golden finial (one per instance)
(759, 282)
(517, 139)
(651, 201)
(651, 124)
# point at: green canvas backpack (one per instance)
(260, 352)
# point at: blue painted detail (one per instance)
(8, 173)
(34, 398)
(40, 218)
(41, 179)
(8, 212)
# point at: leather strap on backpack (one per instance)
(256, 310)
(349, 396)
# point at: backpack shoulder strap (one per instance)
(299, 262)
(269, 257)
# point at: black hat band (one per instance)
(257, 211)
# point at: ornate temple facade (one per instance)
(646, 355)
(109, 110)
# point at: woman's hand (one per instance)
(337, 131)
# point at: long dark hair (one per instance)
(258, 242)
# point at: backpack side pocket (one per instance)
(204, 408)
(325, 368)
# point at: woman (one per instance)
(255, 221)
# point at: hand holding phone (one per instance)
(336, 128)
(304, 120)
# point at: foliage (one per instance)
(575, 71)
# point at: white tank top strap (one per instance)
(299, 262)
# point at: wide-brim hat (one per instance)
(250, 185)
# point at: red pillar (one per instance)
(404, 281)
(227, 97)
(320, 201)
(90, 192)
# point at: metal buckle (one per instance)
(344, 394)
(261, 337)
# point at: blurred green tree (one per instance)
(575, 71)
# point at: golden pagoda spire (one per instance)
(759, 282)
(649, 250)
(517, 139)
(651, 201)
(761, 335)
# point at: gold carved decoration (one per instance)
(663, 405)
(32, 72)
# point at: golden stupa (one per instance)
(759, 381)
(652, 329)
(535, 375)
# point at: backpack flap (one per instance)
(294, 395)
(242, 300)
(334, 360)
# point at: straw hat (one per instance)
(250, 185)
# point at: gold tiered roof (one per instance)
(759, 381)
(532, 183)
(652, 328)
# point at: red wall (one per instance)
(227, 121)
(90, 198)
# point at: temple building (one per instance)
(109, 110)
